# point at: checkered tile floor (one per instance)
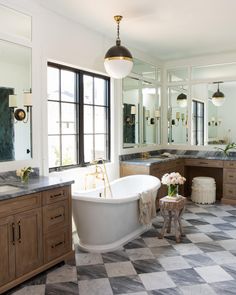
(204, 263)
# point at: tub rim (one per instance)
(78, 195)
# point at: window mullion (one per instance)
(60, 117)
(93, 121)
(81, 118)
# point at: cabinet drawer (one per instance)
(55, 195)
(204, 163)
(229, 176)
(20, 204)
(55, 215)
(57, 243)
(229, 191)
(230, 164)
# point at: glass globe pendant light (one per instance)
(118, 60)
(218, 98)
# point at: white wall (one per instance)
(61, 40)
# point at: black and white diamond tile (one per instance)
(203, 263)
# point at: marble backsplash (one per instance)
(11, 175)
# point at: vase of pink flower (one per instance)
(173, 180)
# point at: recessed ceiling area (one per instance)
(163, 29)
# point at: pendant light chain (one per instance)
(118, 18)
(118, 33)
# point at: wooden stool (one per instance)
(172, 208)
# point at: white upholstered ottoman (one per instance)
(203, 190)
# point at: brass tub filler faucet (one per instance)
(100, 173)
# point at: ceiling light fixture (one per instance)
(118, 60)
(218, 98)
(182, 100)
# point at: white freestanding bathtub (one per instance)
(105, 224)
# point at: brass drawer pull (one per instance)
(56, 195)
(230, 192)
(231, 176)
(13, 233)
(57, 216)
(203, 163)
(19, 231)
(57, 244)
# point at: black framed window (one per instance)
(198, 123)
(78, 117)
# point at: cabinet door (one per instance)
(7, 250)
(28, 241)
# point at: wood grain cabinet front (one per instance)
(35, 234)
(7, 250)
(20, 244)
(28, 241)
(57, 223)
(56, 243)
(229, 184)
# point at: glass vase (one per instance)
(25, 179)
(173, 190)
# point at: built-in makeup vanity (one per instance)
(190, 164)
(35, 228)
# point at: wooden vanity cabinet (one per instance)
(229, 187)
(223, 171)
(35, 233)
(20, 237)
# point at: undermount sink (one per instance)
(5, 188)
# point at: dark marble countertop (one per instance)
(35, 184)
(154, 159)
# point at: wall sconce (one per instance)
(214, 122)
(147, 114)
(157, 114)
(19, 113)
(179, 116)
(130, 119)
(184, 119)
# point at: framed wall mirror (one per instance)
(151, 113)
(177, 114)
(131, 110)
(212, 121)
(15, 88)
(141, 106)
(221, 113)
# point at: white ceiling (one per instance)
(164, 29)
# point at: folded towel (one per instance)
(147, 207)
